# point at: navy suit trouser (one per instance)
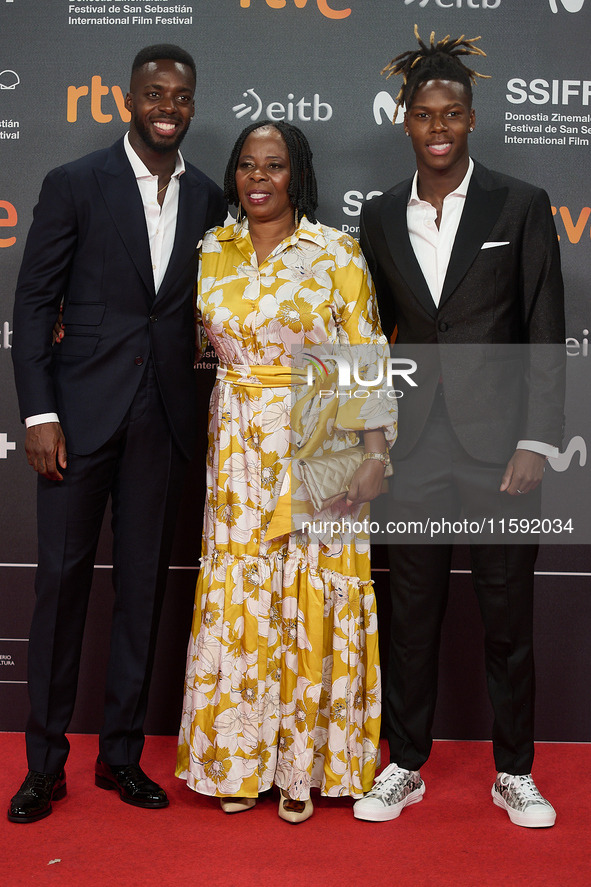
(142, 470)
(438, 479)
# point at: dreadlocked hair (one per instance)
(438, 61)
(302, 189)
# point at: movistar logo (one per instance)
(562, 462)
(569, 5)
(384, 107)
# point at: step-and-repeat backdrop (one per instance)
(64, 72)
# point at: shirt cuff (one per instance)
(40, 419)
(537, 446)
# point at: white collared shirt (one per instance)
(161, 225)
(432, 245)
(160, 221)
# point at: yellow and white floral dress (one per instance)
(283, 681)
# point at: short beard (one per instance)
(146, 136)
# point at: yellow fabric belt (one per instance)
(265, 376)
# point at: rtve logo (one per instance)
(97, 92)
(569, 5)
(7, 221)
(574, 229)
(323, 6)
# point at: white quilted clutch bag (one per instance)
(326, 477)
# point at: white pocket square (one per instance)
(489, 244)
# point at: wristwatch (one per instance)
(384, 458)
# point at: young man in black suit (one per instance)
(111, 410)
(464, 256)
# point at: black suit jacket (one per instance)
(502, 295)
(88, 247)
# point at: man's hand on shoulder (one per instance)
(45, 446)
(523, 473)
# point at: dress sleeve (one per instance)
(364, 346)
(354, 295)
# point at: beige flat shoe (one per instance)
(237, 805)
(294, 811)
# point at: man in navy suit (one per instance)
(464, 257)
(110, 411)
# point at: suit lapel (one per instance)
(393, 217)
(122, 197)
(481, 211)
(189, 228)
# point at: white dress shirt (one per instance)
(161, 225)
(160, 221)
(432, 247)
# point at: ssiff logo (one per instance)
(315, 110)
(569, 5)
(323, 6)
(9, 79)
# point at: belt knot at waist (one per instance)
(264, 376)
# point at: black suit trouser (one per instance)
(437, 479)
(142, 470)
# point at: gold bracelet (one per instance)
(384, 458)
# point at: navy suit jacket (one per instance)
(88, 248)
(508, 294)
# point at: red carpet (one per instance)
(455, 836)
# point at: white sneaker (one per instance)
(519, 796)
(392, 790)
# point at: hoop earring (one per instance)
(239, 215)
(296, 218)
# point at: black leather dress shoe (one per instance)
(33, 799)
(131, 782)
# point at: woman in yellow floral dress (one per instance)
(283, 682)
